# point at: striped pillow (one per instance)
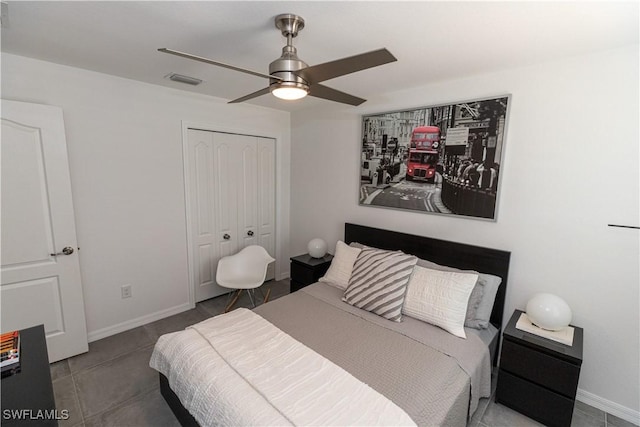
(379, 281)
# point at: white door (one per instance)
(266, 167)
(40, 267)
(227, 209)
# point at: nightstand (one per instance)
(306, 270)
(539, 377)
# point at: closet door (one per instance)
(226, 162)
(231, 200)
(247, 190)
(201, 188)
(266, 171)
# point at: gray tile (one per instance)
(174, 323)
(589, 410)
(216, 306)
(584, 419)
(59, 369)
(212, 306)
(498, 415)
(278, 288)
(116, 381)
(66, 397)
(108, 348)
(147, 410)
(614, 421)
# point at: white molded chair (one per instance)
(245, 270)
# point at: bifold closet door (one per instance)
(231, 198)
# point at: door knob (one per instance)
(66, 251)
(226, 237)
(249, 233)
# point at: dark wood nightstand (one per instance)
(539, 377)
(306, 270)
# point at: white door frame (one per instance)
(212, 127)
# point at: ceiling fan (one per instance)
(291, 78)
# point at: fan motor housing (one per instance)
(285, 66)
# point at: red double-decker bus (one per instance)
(423, 153)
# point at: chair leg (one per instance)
(266, 297)
(251, 294)
(233, 301)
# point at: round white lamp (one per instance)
(549, 311)
(317, 248)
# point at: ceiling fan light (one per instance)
(289, 91)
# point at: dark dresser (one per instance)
(27, 396)
(538, 377)
(306, 270)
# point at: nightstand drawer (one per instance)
(555, 374)
(539, 403)
(302, 274)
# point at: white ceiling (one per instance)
(433, 41)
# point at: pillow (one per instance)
(483, 313)
(482, 297)
(339, 271)
(379, 282)
(439, 298)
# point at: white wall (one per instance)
(570, 168)
(125, 153)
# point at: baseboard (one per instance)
(134, 323)
(608, 406)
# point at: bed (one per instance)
(419, 373)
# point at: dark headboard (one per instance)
(459, 255)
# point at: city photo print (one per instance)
(443, 159)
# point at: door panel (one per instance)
(203, 234)
(43, 293)
(247, 194)
(39, 284)
(226, 218)
(30, 237)
(266, 189)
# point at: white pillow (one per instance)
(439, 298)
(341, 267)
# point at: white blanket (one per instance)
(249, 372)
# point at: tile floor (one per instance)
(112, 384)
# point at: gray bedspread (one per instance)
(435, 377)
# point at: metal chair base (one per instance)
(232, 297)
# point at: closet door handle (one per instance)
(249, 233)
(226, 237)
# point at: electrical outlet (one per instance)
(125, 290)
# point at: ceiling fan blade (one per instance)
(340, 67)
(212, 62)
(324, 92)
(250, 96)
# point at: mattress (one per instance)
(435, 377)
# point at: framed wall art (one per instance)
(443, 159)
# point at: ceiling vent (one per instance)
(184, 79)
